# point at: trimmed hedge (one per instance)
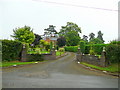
(113, 53)
(34, 57)
(97, 48)
(11, 50)
(71, 48)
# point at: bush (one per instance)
(61, 49)
(82, 46)
(71, 48)
(11, 50)
(97, 48)
(34, 57)
(113, 53)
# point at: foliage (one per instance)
(58, 53)
(115, 42)
(51, 45)
(71, 48)
(71, 33)
(61, 50)
(113, 53)
(11, 50)
(97, 48)
(85, 38)
(45, 44)
(61, 41)
(72, 38)
(95, 41)
(24, 34)
(82, 46)
(35, 57)
(100, 34)
(69, 27)
(91, 52)
(92, 36)
(37, 40)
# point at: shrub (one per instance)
(11, 50)
(34, 57)
(113, 53)
(82, 46)
(61, 49)
(97, 48)
(71, 48)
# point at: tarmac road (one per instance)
(61, 73)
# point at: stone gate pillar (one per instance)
(53, 52)
(79, 55)
(24, 54)
(103, 58)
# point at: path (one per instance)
(61, 73)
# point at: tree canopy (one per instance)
(69, 27)
(100, 34)
(61, 41)
(24, 34)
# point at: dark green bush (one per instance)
(71, 48)
(113, 53)
(34, 57)
(11, 50)
(82, 46)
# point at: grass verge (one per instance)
(111, 68)
(7, 64)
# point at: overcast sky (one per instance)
(39, 14)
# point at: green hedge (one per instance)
(34, 57)
(113, 53)
(11, 50)
(82, 46)
(71, 48)
(97, 48)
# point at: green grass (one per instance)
(111, 68)
(59, 53)
(6, 64)
(34, 52)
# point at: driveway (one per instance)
(61, 73)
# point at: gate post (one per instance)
(103, 58)
(24, 54)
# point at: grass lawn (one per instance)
(111, 68)
(34, 52)
(6, 64)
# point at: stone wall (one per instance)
(26, 57)
(92, 59)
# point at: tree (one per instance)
(92, 36)
(24, 34)
(95, 41)
(71, 33)
(61, 41)
(69, 27)
(100, 34)
(85, 38)
(37, 40)
(50, 31)
(72, 38)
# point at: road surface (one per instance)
(61, 73)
